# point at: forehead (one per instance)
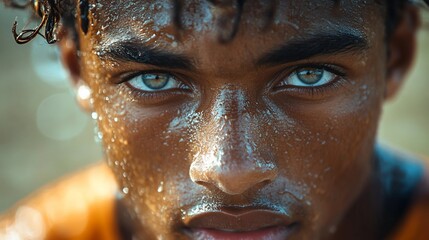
(193, 24)
(201, 16)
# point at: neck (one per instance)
(362, 221)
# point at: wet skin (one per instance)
(231, 127)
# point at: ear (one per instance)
(70, 59)
(401, 50)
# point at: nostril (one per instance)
(262, 184)
(265, 182)
(202, 183)
(212, 186)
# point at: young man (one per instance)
(233, 120)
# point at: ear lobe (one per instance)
(401, 51)
(70, 60)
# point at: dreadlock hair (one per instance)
(53, 13)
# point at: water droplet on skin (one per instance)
(141, 192)
(125, 190)
(183, 212)
(160, 187)
(98, 135)
(124, 142)
(94, 115)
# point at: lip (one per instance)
(271, 233)
(239, 223)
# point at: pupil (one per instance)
(155, 81)
(310, 75)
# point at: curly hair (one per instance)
(53, 13)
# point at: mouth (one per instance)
(240, 223)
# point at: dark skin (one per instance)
(282, 118)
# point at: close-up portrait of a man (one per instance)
(225, 120)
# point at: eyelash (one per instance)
(339, 81)
(147, 95)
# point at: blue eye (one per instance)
(155, 82)
(309, 77)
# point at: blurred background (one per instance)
(44, 135)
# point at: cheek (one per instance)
(329, 149)
(148, 149)
(145, 147)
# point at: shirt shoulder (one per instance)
(415, 225)
(80, 206)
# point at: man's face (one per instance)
(270, 133)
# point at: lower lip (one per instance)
(271, 233)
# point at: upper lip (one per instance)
(237, 219)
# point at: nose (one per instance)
(230, 155)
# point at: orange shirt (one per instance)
(79, 207)
(415, 225)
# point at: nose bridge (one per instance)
(229, 157)
(230, 117)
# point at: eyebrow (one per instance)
(295, 50)
(135, 51)
(315, 45)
